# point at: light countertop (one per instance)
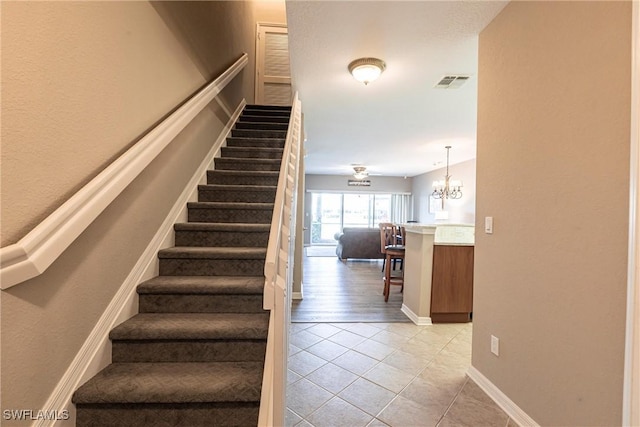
(446, 234)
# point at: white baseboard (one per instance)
(95, 353)
(513, 411)
(420, 321)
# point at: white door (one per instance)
(273, 76)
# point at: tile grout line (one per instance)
(362, 376)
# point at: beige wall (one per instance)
(81, 81)
(553, 171)
(461, 211)
(270, 11)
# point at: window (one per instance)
(331, 212)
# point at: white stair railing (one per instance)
(278, 273)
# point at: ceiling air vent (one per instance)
(453, 81)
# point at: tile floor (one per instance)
(385, 374)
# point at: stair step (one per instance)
(186, 252)
(264, 110)
(242, 177)
(253, 133)
(236, 193)
(253, 152)
(259, 213)
(193, 326)
(268, 107)
(262, 126)
(201, 294)
(197, 261)
(221, 234)
(247, 117)
(235, 163)
(203, 285)
(191, 337)
(255, 142)
(161, 383)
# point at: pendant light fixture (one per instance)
(447, 188)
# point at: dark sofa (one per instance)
(355, 242)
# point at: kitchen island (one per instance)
(438, 277)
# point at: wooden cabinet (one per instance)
(452, 284)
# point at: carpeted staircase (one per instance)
(194, 354)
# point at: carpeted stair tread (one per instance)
(258, 133)
(266, 112)
(193, 326)
(221, 226)
(267, 107)
(173, 383)
(241, 177)
(203, 285)
(189, 252)
(257, 149)
(235, 141)
(261, 125)
(260, 174)
(236, 188)
(253, 152)
(246, 117)
(230, 205)
(250, 160)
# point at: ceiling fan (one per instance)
(360, 172)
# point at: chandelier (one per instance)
(447, 188)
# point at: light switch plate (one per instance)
(488, 224)
(495, 345)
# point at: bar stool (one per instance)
(393, 251)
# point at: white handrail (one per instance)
(278, 272)
(36, 251)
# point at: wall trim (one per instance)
(296, 295)
(513, 411)
(36, 251)
(631, 383)
(420, 321)
(95, 353)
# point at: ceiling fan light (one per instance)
(366, 70)
(360, 172)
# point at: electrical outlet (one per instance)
(495, 345)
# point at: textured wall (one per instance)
(81, 81)
(461, 211)
(553, 171)
(79, 84)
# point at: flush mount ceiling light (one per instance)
(366, 70)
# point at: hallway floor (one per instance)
(385, 374)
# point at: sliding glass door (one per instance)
(331, 212)
(326, 217)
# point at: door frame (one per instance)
(631, 391)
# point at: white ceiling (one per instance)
(399, 124)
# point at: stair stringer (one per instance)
(95, 353)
